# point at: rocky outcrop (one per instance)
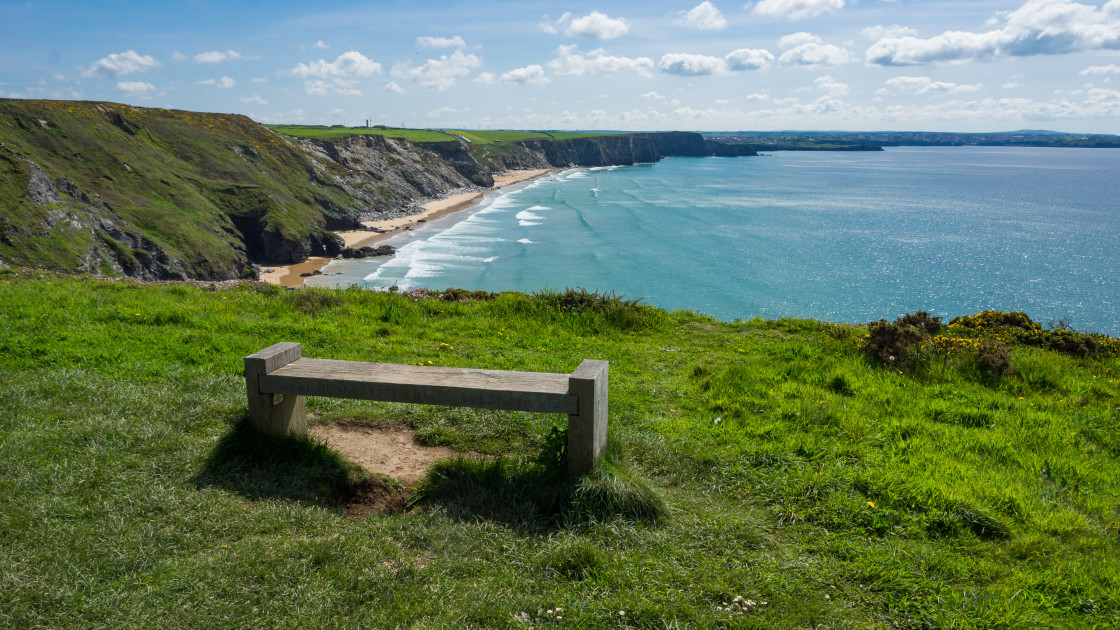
(457, 154)
(385, 176)
(69, 213)
(368, 251)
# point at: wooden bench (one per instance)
(278, 378)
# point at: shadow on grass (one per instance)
(294, 468)
(536, 493)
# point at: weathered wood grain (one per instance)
(587, 428)
(289, 414)
(457, 387)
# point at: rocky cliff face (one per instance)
(385, 177)
(612, 150)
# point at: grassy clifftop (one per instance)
(809, 483)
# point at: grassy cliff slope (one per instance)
(113, 186)
(808, 484)
(156, 193)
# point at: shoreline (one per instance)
(290, 276)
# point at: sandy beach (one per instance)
(291, 275)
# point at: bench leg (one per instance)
(587, 430)
(289, 414)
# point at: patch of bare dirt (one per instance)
(379, 446)
(375, 495)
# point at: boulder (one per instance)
(368, 251)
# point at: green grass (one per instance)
(503, 136)
(335, 132)
(181, 179)
(829, 491)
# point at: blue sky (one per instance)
(936, 65)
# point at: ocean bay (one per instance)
(847, 237)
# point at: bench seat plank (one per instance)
(460, 387)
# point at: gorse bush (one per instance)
(996, 320)
(1018, 326)
(994, 360)
(914, 339)
(921, 320)
(896, 344)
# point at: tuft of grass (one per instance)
(536, 492)
(613, 310)
(612, 491)
(258, 466)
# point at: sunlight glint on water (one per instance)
(845, 237)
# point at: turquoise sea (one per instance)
(845, 237)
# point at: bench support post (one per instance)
(288, 415)
(587, 429)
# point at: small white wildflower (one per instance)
(622, 613)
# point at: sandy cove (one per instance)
(291, 275)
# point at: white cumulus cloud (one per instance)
(1038, 27)
(439, 74)
(217, 56)
(831, 86)
(879, 31)
(1094, 70)
(532, 74)
(332, 85)
(806, 49)
(749, 59)
(704, 16)
(570, 62)
(485, 78)
(796, 9)
(120, 64)
(254, 99)
(687, 64)
(926, 85)
(394, 87)
(320, 45)
(594, 25)
(136, 88)
(441, 42)
(224, 82)
(348, 64)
